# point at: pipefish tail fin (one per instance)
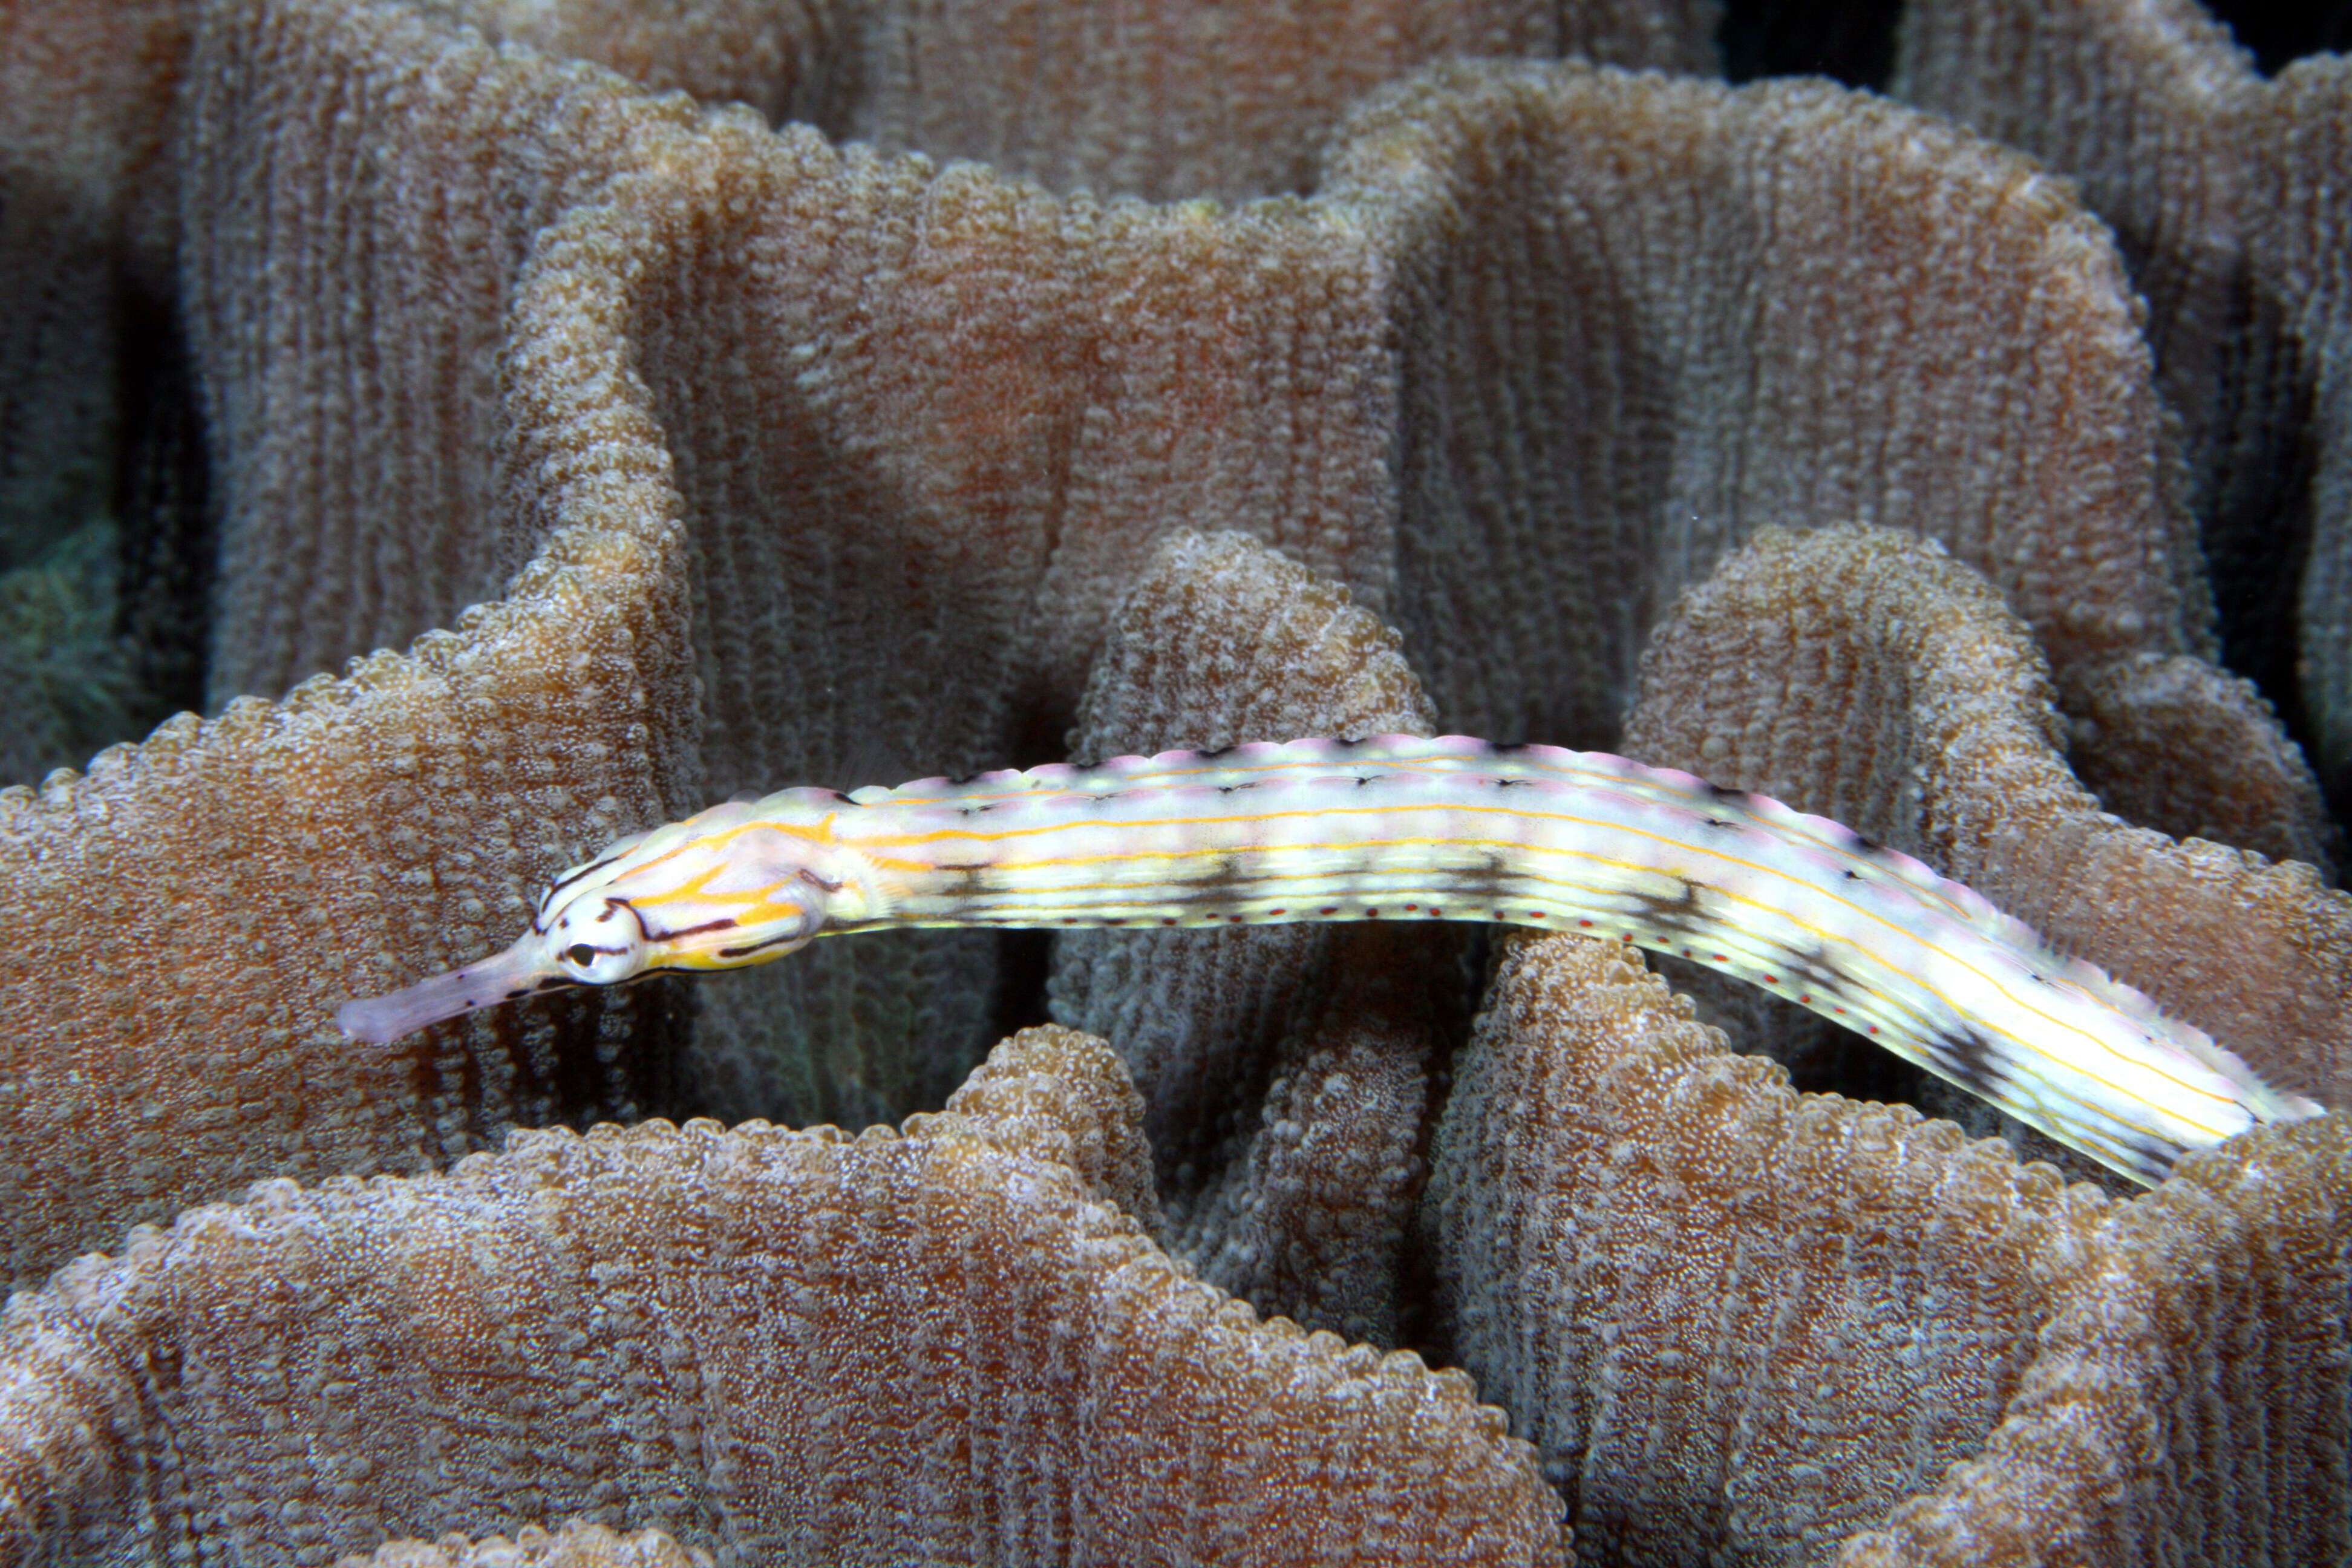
(501, 978)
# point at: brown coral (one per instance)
(86, 273)
(1740, 1322)
(1874, 679)
(1286, 1070)
(1172, 100)
(1164, 100)
(224, 885)
(771, 1345)
(2187, 1400)
(1642, 317)
(749, 354)
(573, 1545)
(871, 450)
(2222, 190)
(1735, 1321)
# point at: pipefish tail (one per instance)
(1399, 827)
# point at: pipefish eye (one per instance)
(598, 941)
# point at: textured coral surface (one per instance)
(575, 1544)
(2222, 186)
(516, 424)
(789, 1346)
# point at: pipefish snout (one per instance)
(1399, 827)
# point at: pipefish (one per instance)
(1400, 827)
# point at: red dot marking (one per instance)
(1874, 1028)
(1807, 997)
(1719, 958)
(1534, 914)
(1115, 922)
(1771, 980)
(1584, 922)
(1330, 910)
(1372, 914)
(1411, 906)
(1237, 919)
(1167, 923)
(1270, 913)
(1839, 1011)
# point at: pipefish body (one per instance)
(1400, 827)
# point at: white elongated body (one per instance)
(1399, 827)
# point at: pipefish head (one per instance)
(720, 890)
